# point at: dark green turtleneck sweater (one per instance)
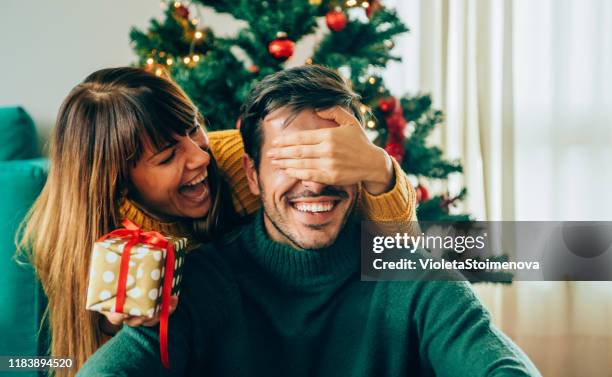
(253, 307)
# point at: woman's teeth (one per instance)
(197, 191)
(198, 179)
(314, 207)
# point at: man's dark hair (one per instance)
(306, 87)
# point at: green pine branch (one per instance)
(361, 45)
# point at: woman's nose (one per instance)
(196, 156)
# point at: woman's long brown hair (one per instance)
(98, 135)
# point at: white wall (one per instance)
(47, 47)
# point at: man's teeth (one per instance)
(314, 207)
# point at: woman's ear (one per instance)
(251, 173)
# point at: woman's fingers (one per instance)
(135, 320)
(308, 137)
(338, 115)
(299, 151)
(305, 163)
(146, 321)
(151, 322)
(115, 318)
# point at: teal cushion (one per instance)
(21, 296)
(18, 139)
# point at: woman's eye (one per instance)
(168, 159)
(194, 131)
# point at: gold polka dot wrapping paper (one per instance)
(144, 278)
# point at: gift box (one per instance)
(135, 272)
(144, 269)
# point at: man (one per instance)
(283, 296)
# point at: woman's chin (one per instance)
(198, 212)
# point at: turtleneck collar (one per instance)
(129, 210)
(302, 268)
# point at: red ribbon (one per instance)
(136, 236)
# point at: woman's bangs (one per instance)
(167, 119)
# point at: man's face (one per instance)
(305, 214)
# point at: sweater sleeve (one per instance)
(398, 204)
(134, 351)
(457, 338)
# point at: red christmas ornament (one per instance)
(387, 105)
(373, 7)
(181, 11)
(336, 20)
(421, 193)
(281, 48)
(396, 124)
(395, 150)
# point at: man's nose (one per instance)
(196, 156)
(315, 187)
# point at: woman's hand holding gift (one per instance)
(335, 156)
(113, 322)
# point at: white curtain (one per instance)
(461, 52)
(525, 88)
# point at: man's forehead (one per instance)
(286, 119)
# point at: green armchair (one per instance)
(22, 175)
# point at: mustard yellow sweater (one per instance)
(397, 205)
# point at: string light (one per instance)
(150, 61)
(196, 58)
(186, 59)
(158, 72)
(363, 109)
(351, 3)
(372, 80)
(162, 54)
(309, 61)
(365, 4)
(371, 124)
(169, 61)
(198, 35)
(177, 4)
(194, 21)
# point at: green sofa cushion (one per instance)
(20, 293)
(18, 139)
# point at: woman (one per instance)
(129, 144)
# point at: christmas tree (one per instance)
(217, 72)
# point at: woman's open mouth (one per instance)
(195, 190)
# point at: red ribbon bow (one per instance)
(134, 234)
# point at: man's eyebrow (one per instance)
(166, 147)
